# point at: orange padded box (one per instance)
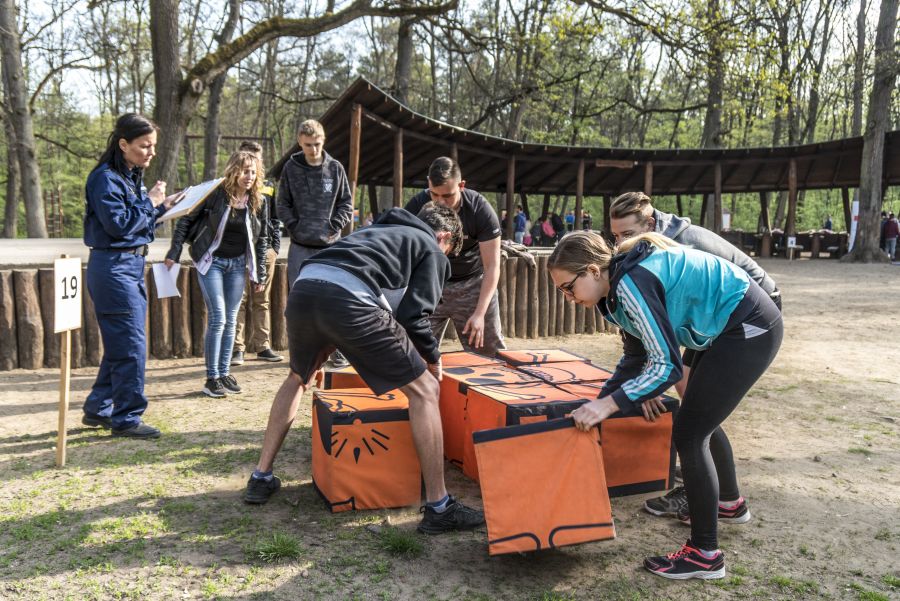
(345, 377)
(517, 358)
(363, 456)
(567, 372)
(456, 382)
(639, 456)
(543, 486)
(489, 407)
(466, 359)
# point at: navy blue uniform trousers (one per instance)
(116, 283)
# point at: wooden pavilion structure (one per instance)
(365, 122)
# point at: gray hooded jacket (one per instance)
(682, 231)
(314, 202)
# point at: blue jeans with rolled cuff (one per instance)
(222, 287)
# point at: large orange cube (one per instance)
(639, 456)
(489, 407)
(454, 386)
(517, 358)
(543, 487)
(466, 359)
(567, 372)
(345, 377)
(363, 456)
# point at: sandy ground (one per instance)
(817, 445)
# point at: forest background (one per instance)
(631, 73)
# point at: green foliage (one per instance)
(401, 542)
(280, 547)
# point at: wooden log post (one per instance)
(543, 294)
(568, 317)
(160, 330)
(398, 168)
(579, 196)
(277, 305)
(790, 228)
(590, 320)
(180, 306)
(510, 196)
(648, 178)
(717, 198)
(93, 341)
(353, 163)
(678, 206)
(9, 350)
(561, 303)
(51, 339)
(766, 243)
(522, 297)
(533, 307)
(198, 313)
(454, 152)
(607, 201)
(848, 214)
(579, 319)
(502, 297)
(815, 245)
(512, 272)
(551, 306)
(29, 325)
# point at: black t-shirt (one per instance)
(479, 224)
(234, 238)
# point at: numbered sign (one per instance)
(69, 289)
(792, 241)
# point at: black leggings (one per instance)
(720, 377)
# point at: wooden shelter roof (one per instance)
(553, 169)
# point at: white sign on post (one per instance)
(66, 317)
(67, 309)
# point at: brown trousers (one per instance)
(259, 314)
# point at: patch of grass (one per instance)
(798, 586)
(128, 528)
(883, 534)
(891, 580)
(280, 547)
(860, 451)
(400, 542)
(863, 594)
(554, 596)
(739, 570)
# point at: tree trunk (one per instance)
(403, 68)
(214, 101)
(877, 123)
(20, 115)
(859, 65)
(11, 214)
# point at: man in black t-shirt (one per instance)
(470, 296)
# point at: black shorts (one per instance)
(322, 316)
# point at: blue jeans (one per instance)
(223, 287)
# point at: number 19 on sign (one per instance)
(66, 317)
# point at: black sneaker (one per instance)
(455, 517)
(338, 360)
(96, 420)
(237, 358)
(259, 490)
(214, 388)
(230, 384)
(668, 505)
(141, 430)
(687, 563)
(735, 515)
(269, 355)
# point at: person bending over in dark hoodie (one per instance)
(371, 294)
(632, 214)
(313, 202)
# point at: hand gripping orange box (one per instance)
(543, 487)
(454, 386)
(497, 406)
(363, 456)
(639, 456)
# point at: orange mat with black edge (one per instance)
(517, 358)
(639, 456)
(363, 456)
(454, 385)
(489, 407)
(345, 377)
(566, 372)
(542, 487)
(466, 359)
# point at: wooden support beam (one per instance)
(579, 195)
(454, 152)
(398, 168)
(607, 200)
(510, 195)
(678, 206)
(545, 208)
(717, 199)
(764, 211)
(791, 227)
(845, 197)
(648, 178)
(353, 167)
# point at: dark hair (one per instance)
(442, 170)
(631, 203)
(128, 127)
(251, 146)
(442, 219)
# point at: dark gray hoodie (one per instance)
(314, 201)
(682, 231)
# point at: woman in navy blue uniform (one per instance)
(119, 219)
(228, 238)
(665, 296)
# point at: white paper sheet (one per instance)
(193, 198)
(166, 280)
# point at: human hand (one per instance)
(590, 414)
(169, 263)
(474, 328)
(173, 199)
(157, 193)
(436, 370)
(258, 287)
(653, 408)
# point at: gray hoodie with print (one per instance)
(314, 202)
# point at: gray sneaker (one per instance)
(669, 505)
(141, 430)
(455, 517)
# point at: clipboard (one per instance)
(193, 198)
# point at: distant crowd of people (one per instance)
(547, 230)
